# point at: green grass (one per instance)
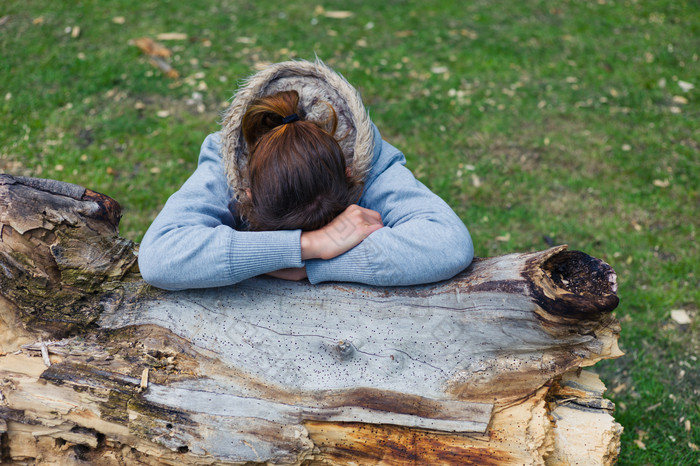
(533, 119)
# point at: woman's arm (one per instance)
(423, 239)
(193, 244)
(345, 232)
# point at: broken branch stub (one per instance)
(62, 259)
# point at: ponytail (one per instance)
(296, 169)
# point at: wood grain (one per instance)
(479, 369)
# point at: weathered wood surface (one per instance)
(481, 368)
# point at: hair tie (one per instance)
(291, 118)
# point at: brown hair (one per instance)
(296, 170)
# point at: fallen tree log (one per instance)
(484, 368)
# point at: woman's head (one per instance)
(297, 173)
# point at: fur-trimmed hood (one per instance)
(317, 85)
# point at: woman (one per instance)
(299, 184)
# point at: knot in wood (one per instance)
(345, 349)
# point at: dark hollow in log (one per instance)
(589, 283)
(479, 366)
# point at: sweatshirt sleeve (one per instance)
(193, 243)
(423, 240)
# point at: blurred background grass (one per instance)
(540, 122)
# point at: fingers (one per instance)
(374, 227)
(354, 224)
(343, 233)
(373, 214)
(368, 215)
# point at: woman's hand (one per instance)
(343, 233)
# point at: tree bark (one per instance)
(484, 368)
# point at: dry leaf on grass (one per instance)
(261, 65)
(172, 36)
(338, 14)
(476, 181)
(503, 238)
(118, 20)
(619, 388)
(157, 53)
(151, 47)
(685, 86)
(652, 407)
(681, 317)
(165, 67)
(639, 441)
